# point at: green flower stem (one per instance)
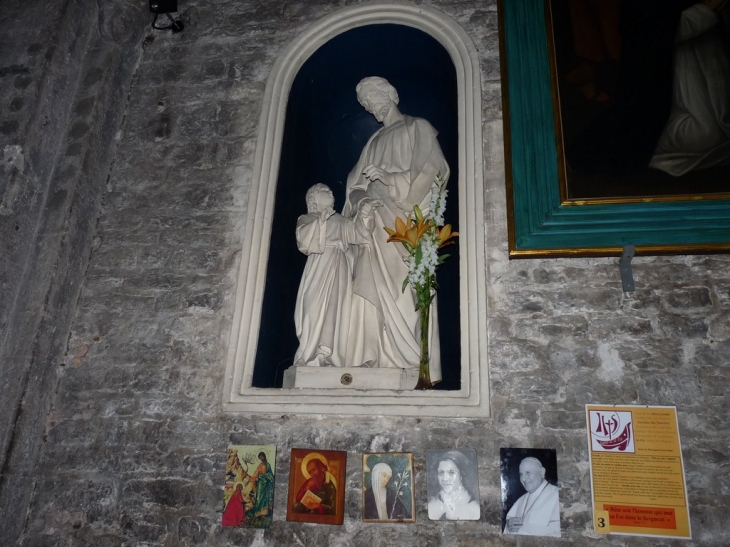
(424, 372)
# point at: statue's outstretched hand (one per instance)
(373, 172)
(367, 206)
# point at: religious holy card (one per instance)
(248, 494)
(530, 496)
(453, 484)
(387, 487)
(316, 486)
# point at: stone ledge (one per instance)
(350, 377)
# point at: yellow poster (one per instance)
(637, 473)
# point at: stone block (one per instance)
(708, 527)
(653, 272)
(527, 302)
(194, 530)
(207, 463)
(169, 492)
(719, 328)
(562, 327)
(713, 353)
(680, 390)
(141, 531)
(81, 432)
(221, 119)
(90, 500)
(563, 419)
(624, 325)
(584, 388)
(587, 299)
(688, 300)
(492, 97)
(684, 328)
(645, 303)
(115, 259)
(527, 356)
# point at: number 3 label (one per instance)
(601, 522)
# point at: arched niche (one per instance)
(324, 132)
(468, 394)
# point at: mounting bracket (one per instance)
(624, 267)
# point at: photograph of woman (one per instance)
(453, 485)
(388, 487)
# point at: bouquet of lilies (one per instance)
(423, 236)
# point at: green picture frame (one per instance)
(542, 222)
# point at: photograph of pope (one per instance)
(536, 512)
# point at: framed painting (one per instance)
(316, 486)
(603, 149)
(387, 487)
(248, 494)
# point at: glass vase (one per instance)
(424, 372)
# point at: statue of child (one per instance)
(322, 311)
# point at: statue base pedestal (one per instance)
(350, 377)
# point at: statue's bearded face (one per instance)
(381, 110)
(377, 102)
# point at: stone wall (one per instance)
(31, 131)
(134, 445)
(65, 69)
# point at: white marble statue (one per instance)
(323, 306)
(396, 171)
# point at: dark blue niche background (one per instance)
(325, 132)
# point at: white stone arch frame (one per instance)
(473, 397)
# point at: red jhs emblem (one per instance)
(607, 424)
(611, 430)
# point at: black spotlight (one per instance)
(165, 7)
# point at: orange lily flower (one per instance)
(445, 234)
(409, 233)
(399, 234)
(421, 229)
